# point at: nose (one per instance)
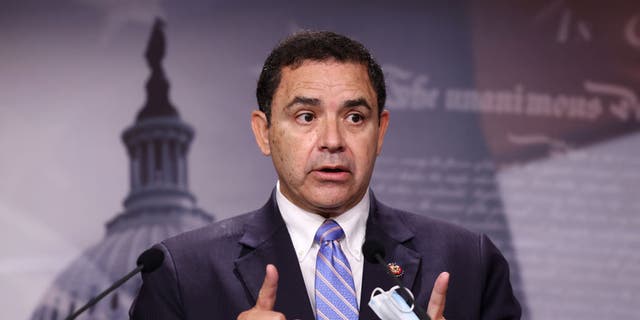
(331, 138)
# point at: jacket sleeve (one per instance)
(159, 297)
(498, 301)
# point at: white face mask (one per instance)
(390, 305)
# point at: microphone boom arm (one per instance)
(99, 297)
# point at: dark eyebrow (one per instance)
(304, 101)
(356, 103)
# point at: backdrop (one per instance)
(517, 119)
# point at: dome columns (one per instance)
(158, 150)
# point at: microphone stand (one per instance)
(99, 297)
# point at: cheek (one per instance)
(278, 146)
(365, 152)
(288, 152)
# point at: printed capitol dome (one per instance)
(158, 206)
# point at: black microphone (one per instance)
(374, 253)
(147, 262)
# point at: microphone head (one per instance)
(150, 260)
(370, 249)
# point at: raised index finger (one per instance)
(267, 294)
(438, 296)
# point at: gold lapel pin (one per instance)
(395, 269)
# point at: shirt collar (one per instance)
(302, 225)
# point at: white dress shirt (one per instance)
(302, 226)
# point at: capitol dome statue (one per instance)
(159, 205)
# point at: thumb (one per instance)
(267, 294)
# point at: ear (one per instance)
(260, 128)
(382, 129)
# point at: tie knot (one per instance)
(329, 231)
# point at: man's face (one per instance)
(324, 136)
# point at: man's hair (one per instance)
(315, 46)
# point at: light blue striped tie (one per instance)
(335, 292)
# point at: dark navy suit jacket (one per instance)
(216, 272)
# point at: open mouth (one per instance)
(332, 174)
(332, 170)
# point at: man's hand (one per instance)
(438, 297)
(263, 310)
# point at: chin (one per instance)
(332, 204)
(331, 197)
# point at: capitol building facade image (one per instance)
(159, 205)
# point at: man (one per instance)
(322, 121)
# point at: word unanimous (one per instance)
(409, 92)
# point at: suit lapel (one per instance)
(386, 228)
(267, 241)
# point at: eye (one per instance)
(305, 117)
(355, 118)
